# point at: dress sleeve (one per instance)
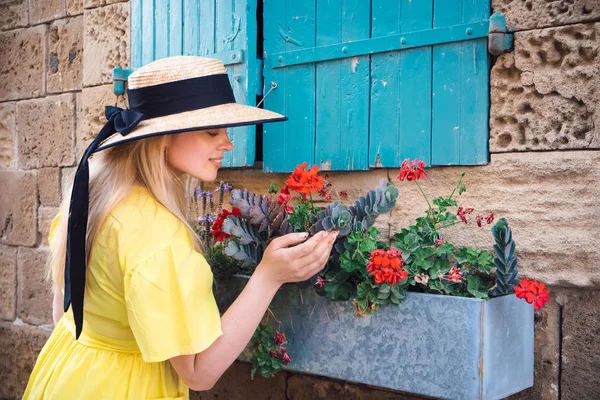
(170, 304)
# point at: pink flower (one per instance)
(454, 275)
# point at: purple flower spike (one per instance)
(212, 218)
(202, 220)
(227, 186)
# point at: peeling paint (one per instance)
(288, 38)
(235, 30)
(378, 163)
(326, 165)
(384, 83)
(354, 64)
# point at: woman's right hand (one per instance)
(283, 264)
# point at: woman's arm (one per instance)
(280, 264)
(57, 306)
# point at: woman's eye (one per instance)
(213, 134)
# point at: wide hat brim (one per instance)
(220, 116)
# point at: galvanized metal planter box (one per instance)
(439, 346)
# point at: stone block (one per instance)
(46, 131)
(308, 387)
(544, 94)
(18, 208)
(74, 7)
(236, 384)
(558, 244)
(91, 112)
(8, 154)
(49, 186)
(35, 294)
(580, 347)
(106, 36)
(13, 15)
(22, 63)
(65, 55)
(46, 215)
(8, 282)
(45, 10)
(530, 14)
(20, 346)
(100, 3)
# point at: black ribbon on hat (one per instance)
(119, 120)
(144, 103)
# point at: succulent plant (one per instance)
(505, 260)
(260, 211)
(359, 217)
(261, 220)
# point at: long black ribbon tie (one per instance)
(119, 120)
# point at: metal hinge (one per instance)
(499, 40)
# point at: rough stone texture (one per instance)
(529, 14)
(35, 296)
(13, 15)
(545, 94)
(558, 244)
(91, 110)
(236, 384)
(106, 42)
(100, 3)
(307, 387)
(45, 10)
(46, 215)
(20, 346)
(547, 363)
(18, 208)
(65, 55)
(46, 131)
(8, 282)
(8, 155)
(22, 63)
(49, 186)
(74, 7)
(580, 347)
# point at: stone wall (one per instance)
(56, 59)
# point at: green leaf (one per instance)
(338, 290)
(476, 287)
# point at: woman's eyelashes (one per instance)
(213, 133)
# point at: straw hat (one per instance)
(171, 95)
(182, 68)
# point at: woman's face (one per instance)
(198, 153)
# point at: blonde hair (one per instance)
(113, 173)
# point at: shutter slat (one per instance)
(290, 24)
(342, 89)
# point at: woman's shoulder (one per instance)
(140, 218)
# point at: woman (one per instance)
(149, 327)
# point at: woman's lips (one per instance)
(217, 162)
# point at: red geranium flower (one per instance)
(412, 170)
(279, 338)
(454, 275)
(462, 213)
(305, 181)
(533, 292)
(217, 226)
(386, 266)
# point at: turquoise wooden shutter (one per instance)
(226, 30)
(368, 84)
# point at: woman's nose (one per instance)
(227, 144)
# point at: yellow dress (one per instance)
(148, 298)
